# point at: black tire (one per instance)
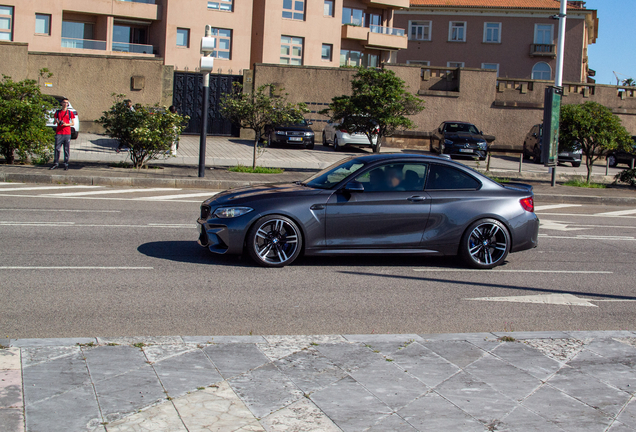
(611, 158)
(274, 241)
(309, 146)
(336, 146)
(485, 244)
(576, 164)
(525, 153)
(74, 135)
(324, 139)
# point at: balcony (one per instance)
(542, 50)
(376, 37)
(89, 44)
(354, 32)
(386, 30)
(132, 48)
(130, 9)
(393, 4)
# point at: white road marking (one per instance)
(9, 183)
(111, 191)
(557, 226)
(30, 188)
(599, 215)
(94, 198)
(171, 197)
(590, 237)
(58, 210)
(76, 225)
(555, 299)
(72, 268)
(618, 213)
(510, 271)
(554, 206)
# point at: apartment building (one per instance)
(517, 38)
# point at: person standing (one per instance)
(63, 119)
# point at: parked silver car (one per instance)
(340, 137)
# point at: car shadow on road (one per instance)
(190, 252)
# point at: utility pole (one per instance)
(207, 64)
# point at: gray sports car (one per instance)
(375, 204)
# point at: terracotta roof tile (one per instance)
(505, 4)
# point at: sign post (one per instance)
(207, 63)
(551, 121)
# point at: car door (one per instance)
(454, 200)
(391, 211)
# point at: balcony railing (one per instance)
(386, 30)
(140, 1)
(546, 50)
(132, 48)
(84, 44)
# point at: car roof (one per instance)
(459, 122)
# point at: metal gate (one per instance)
(187, 98)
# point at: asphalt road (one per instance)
(82, 261)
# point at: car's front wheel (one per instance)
(485, 244)
(336, 145)
(274, 241)
(324, 139)
(576, 164)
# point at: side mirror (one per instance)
(481, 132)
(354, 186)
(439, 130)
(310, 123)
(534, 134)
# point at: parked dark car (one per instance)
(299, 134)
(621, 156)
(532, 148)
(382, 204)
(459, 139)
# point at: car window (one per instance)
(396, 177)
(334, 174)
(443, 177)
(461, 127)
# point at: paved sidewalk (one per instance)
(522, 381)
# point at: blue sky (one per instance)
(615, 48)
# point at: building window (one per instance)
(328, 8)
(491, 66)
(420, 30)
(326, 52)
(455, 64)
(221, 5)
(374, 20)
(457, 31)
(418, 62)
(294, 9)
(357, 59)
(183, 37)
(543, 34)
(222, 43)
(291, 50)
(6, 23)
(43, 24)
(492, 32)
(542, 71)
(353, 16)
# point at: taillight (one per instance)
(343, 131)
(527, 204)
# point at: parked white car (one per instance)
(75, 127)
(333, 134)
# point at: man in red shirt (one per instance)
(63, 119)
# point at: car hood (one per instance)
(266, 191)
(464, 137)
(293, 128)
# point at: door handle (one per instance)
(317, 207)
(416, 198)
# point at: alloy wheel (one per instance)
(487, 244)
(275, 242)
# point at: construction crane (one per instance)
(618, 80)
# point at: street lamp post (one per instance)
(206, 66)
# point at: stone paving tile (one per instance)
(350, 405)
(186, 372)
(74, 410)
(108, 361)
(372, 339)
(222, 339)
(434, 413)
(589, 390)
(12, 420)
(392, 422)
(159, 418)
(523, 420)
(533, 335)
(603, 369)
(620, 427)
(33, 356)
(507, 379)
(349, 356)
(599, 334)
(301, 416)
(476, 398)
(310, 370)
(10, 359)
(56, 342)
(147, 340)
(566, 412)
(390, 384)
(129, 392)
(528, 359)
(265, 390)
(278, 347)
(614, 350)
(235, 359)
(460, 353)
(216, 409)
(424, 364)
(10, 389)
(54, 377)
(458, 336)
(628, 415)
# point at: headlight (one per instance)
(280, 132)
(309, 134)
(482, 145)
(231, 212)
(449, 142)
(578, 151)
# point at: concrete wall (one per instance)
(89, 81)
(504, 108)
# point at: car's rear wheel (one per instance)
(485, 244)
(611, 159)
(336, 145)
(274, 241)
(74, 135)
(324, 139)
(576, 164)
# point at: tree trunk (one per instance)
(589, 162)
(9, 155)
(256, 140)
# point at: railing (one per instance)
(542, 50)
(140, 1)
(132, 48)
(386, 30)
(84, 44)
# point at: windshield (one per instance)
(334, 174)
(461, 127)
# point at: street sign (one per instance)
(551, 120)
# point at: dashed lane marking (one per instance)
(590, 237)
(72, 268)
(111, 191)
(510, 271)
(32, 188)
(98, 198)
(554, 206)
(172, 197)
(618, 213)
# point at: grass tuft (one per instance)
(584, 184)
(256, 170)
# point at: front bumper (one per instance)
(569, 157)
(465, 151)
(292, 140)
